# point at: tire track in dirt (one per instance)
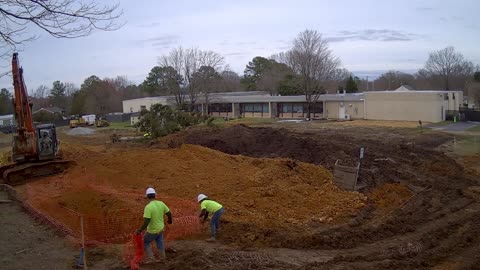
(435, 228)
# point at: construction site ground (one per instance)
(419, 209)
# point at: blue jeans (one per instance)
(149, 238)
(215, 221)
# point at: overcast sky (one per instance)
(369, 36)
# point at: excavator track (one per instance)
(17, 174)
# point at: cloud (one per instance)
(452, 19)
(373, 35)
(235, 54)
(426, 8)
(164, 41)
(149, 25)
(246, 43)
(457, 18)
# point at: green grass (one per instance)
(467, 145)
(119, 125)
(474, 129)
(440, 124)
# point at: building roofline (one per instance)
(415, 91)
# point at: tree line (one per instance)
(308, 68)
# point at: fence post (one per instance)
(83, 244)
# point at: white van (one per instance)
(90, 119)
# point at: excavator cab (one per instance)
(47, 143)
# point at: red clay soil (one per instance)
(390, 196)
(269, 196)
(435, 227)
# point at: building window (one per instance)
(143, 108)
(445, 96)
(197, 108)
(317, 107)
(300, 108)
(287, 108)
(254, 108)
(220, 107)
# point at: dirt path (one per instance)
(25, 244)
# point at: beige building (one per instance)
(262, 105)
(401, 104)
(345, 109)
(405, 105)
(138, 104)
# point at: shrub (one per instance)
(161, 120)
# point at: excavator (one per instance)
(35, 149)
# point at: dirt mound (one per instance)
(389, 156)
(273, 196)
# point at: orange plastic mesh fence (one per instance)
(111, 226)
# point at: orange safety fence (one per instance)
(109, 226)
(134, 251)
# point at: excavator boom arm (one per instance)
(25, 140)
(23, 111)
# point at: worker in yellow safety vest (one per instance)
(215, 209)
(153, 216)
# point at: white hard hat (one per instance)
(150, 191)
(201, 197)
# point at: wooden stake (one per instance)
(83, 244)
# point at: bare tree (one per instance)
(448, 65)
(41, 92)
(230, 81)
(70, 89)
(206, 79)
(272, 77)
(39, 97)
(393, 79)
(313, 61)
(59, 18)
(119, 82)
(338, 81)
(187, 62)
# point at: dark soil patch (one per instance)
(435, 227)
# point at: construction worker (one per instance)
(215, 209)
(153, 221)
